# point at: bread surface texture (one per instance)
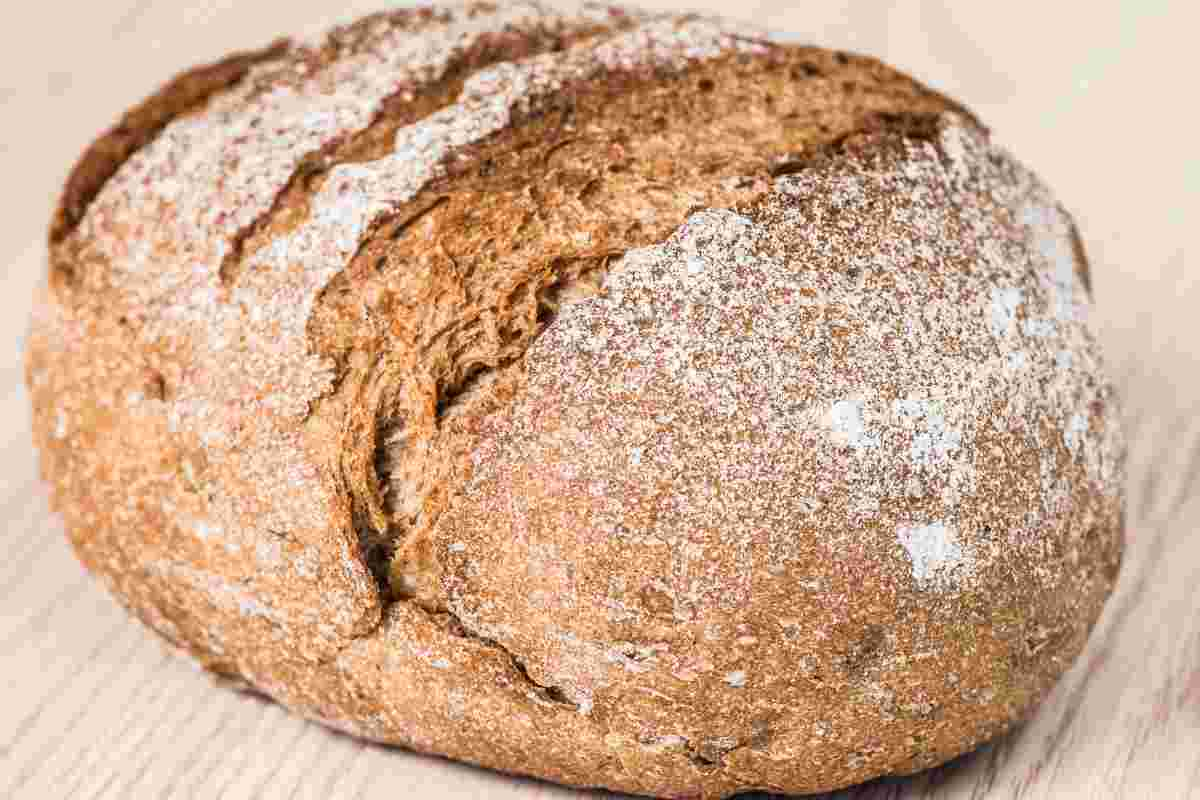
(627, 400)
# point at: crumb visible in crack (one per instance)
(378, 556)
(450, 397)
(583, 279)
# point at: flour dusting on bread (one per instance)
(625, 399)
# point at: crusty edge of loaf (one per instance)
(183, 94)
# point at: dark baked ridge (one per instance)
(460, 279)
(185, 93)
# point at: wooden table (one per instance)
(1098, 97)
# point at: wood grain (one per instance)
(93, 706)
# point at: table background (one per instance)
(1098, 97)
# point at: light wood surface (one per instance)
(1098, 97)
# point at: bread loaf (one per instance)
(625, 400)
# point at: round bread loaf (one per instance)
(625, 400)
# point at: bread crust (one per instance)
(625, 400)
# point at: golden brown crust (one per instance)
(915, 527)
(338, 319)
